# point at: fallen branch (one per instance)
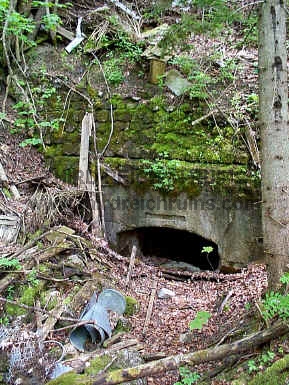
(39, 310)
(113, 174)
(206, 355)
(79, 360)
(45, 254)
(224, 302)
(55, 315)
(197, 121)
(198, 276)
(131, 264)
(150, 307)
(34, 178)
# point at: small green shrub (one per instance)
(113, 71)
(125, 51)
(187, 376)
(32, 278)
(267, 357)
(252, 367)
(200, 320)
(9, 264)
(276, 304)
(163, 173)
(258, 364)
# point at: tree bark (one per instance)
(273, 103)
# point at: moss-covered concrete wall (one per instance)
(149, 123)
(158, 145)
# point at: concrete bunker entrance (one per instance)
(171, 244)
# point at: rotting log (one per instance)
(205, 355)
(174, 362)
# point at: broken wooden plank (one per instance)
(86, 128)
(131, 264)
(226, 299)
(65, 33)
(113, 174)
(86, 181)
(95, 224)
(52, 319)
(150, 306)
(9, 228)
(5, 181)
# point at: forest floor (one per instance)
(203, 291)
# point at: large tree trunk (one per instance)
(273, 100)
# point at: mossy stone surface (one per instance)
(132, 306)
(148, 128)
(71, 378)
(98, 364)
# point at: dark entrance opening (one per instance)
(167, 243)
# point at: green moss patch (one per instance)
(27, 296)
(70, 378)
(132, 306)
(173, 177)
(276, 374)
(98, 364)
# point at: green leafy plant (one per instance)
(207, 249)
(249, 30)
(201, 81)
(51, 22)
(113, 71)
(262, 361)
(276, 304)
(9, 264)
(186, 64)
(4, 321)
(30, 141)
(126, 51)
(227, 70)
(201, 319)
(267, 357)
(285, 278)
(252, 367)
(187, 376)
(163, 173)
(29, 117)
(32, 278)
(2, 115)
(10, 292)
(281, 350)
